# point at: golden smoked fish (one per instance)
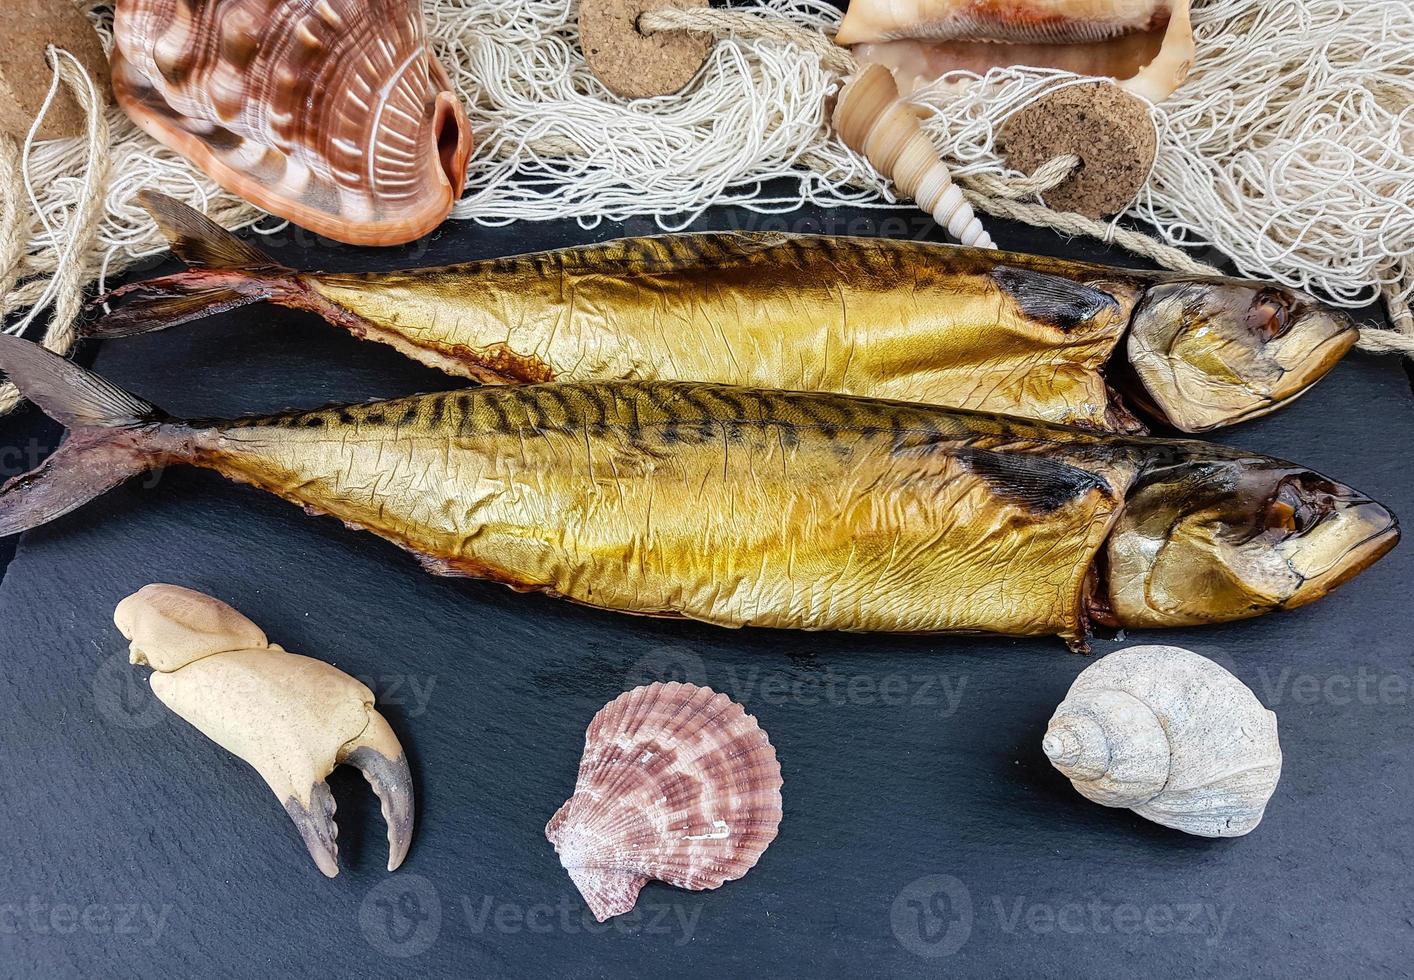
(743, 506)
(968, 328)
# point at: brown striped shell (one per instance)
(677, 784)
(331, 113)
(1146, 46)
(1000, 21)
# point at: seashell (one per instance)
(333, 114)
(1000, 21)
(1170, 735)
(677, 783)
(1147, 47)
(875, 122)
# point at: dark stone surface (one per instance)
(924, 832)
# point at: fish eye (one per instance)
(1295, 508)
(1270, 314)
(1281, 515)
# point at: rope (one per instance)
(1047, 176)
(996, 195)
(999, 196)
(1400, 340)
(12, 228)
(75, 243)
(547, 150)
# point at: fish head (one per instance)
(1213, 352)
(1214, 539)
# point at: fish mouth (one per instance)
(1341, 333)
(1215, 353)
(1330, 563)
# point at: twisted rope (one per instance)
(1003, 196)
(1400, 340)
(74, 243)
(998, 196)
(12, 228)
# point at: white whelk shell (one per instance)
(1170, 735)
(677, 783)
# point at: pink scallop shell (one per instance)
(677, 783)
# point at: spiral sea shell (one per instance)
(332, 113)
(875, 122)
(1170, 735)
(677, 783)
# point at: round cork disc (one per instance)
(25, 75)
(631, 63)
(1105, 126)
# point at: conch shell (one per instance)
(875, 122)
(1002, 21)
(1170, 735)
(678, 784)
(333, 114)
(292, 718)
(1146, 46)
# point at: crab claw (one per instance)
(376, 753)
(292, 718)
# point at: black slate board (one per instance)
(924, 832)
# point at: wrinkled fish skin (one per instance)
(750, 507)
(968, 328)
(733, 506)
(867, 317)
(745, 506)
(917, 321)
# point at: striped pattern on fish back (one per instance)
(665, 412)
(665, 254)
(737, 506)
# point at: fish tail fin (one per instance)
(109, 439)
(226, 272)
(199, 241)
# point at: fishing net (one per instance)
(1290, 148)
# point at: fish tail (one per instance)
(111, 437)
(227, 272)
